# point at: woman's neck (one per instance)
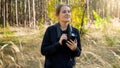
(63, 25)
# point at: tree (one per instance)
(34, 13)
(16, 12)
(6, 11)
(29, 12)
(25, 13)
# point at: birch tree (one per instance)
(34, 13)
(16, 13)
(29, 12)
(25, 13)
(6, 11)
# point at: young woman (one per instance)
(61, 42)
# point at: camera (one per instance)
(72, 37)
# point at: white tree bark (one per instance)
(4, 14)
(16, 12)
(34, 14)
(118, 8)
(25, 13)
(87, 1)
(29, 12)
(6, 11)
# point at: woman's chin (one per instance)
(67, 20)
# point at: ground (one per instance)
(100, 47)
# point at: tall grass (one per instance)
(100, 49)
(8, 55)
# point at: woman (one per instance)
(61, 42)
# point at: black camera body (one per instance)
(72, 37)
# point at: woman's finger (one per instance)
(69, 42)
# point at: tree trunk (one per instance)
(29, 12)
(60, 1)
(103, 8)
(25, 13)
(34, 14)
(6, 11)
(13, 12)
(0, 9)
(67, 2)
(16, 13)
(87, 1)
(112, 8)
(44, 11)
(118, 8)
(40, 11)
(9, 11)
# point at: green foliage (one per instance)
(111, 40)
(40, 21)
(77, 14)
(6, 31)
(51, 5)
(79, 18)
(7, 39)
(99, 20)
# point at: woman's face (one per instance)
(64, 14)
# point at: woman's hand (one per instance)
(72, 44)
(64, 36)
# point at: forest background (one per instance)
(23, 23)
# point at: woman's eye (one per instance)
(64, 11)
(68, 11)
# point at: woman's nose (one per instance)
(67, 13)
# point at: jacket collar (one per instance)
(57, 25)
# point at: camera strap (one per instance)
(69, 30)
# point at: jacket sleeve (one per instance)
(47, 48)
(78, 50)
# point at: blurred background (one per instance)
(23, 23)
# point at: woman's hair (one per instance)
(59, 8)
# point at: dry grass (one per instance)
(100, 49)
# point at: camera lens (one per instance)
(73, 36)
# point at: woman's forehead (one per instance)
(65, 8)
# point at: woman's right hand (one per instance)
(63, 36)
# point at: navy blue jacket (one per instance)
(57, 56)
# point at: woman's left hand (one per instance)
(72, 44)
